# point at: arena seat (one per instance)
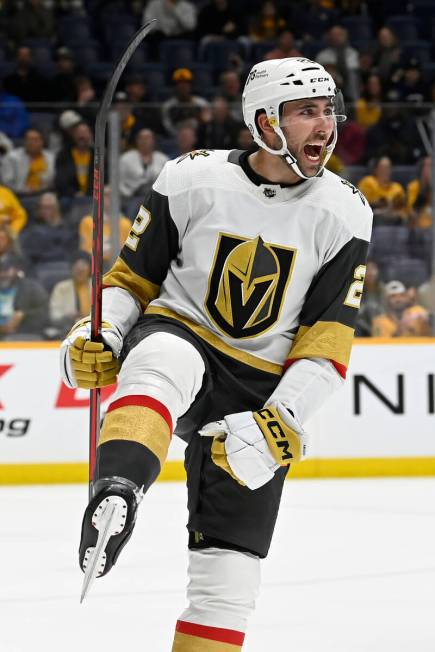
(259, 50)
(154, 75)
(219, 54)
(74, 29)
(421, 50)
(405, 26)
(358, 27)
(43, 121)
(86, 56)
(48, 274)
(411, 271)
(355, 172)
(389, 243)
(177, 53)
(403, 174)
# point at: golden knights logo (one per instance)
(194, 154)
(247, 284)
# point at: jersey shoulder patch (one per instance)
(343, 199)
(183, 173)
(354, 190)
(194, 154)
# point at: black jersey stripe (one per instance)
(326, 296)
(157, 246)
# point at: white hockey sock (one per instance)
(223, 586)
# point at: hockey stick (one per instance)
(97, 236)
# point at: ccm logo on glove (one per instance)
(284, 443)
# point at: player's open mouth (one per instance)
(313, 152)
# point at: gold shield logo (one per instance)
(247, 284)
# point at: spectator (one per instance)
(183, 106)
(372, 302)
(218, 130)
(86, 225)
(23, 302)
(369, 105)
(86, 98)
(29, 169)
(6, 146)
(70, 299)
(345, 58)
(137, 96)
(335, 165)
(267, 24)
(386, 54)
(129, 123)
(244, 139)
(175, 18)
(400, 317)
(311, 19)
(74, 164)
(392, 213)
(426, 296)
(61, 87)
(217, 20)
(230, 90)
(8, 243)
(140, 167)
(415, 322)
(366, 65)
(396, 136)
(26, 82)
(33, 21)
(67, 121)
(378, 188)
(14, 119)
(351, 144)
(409, 85)
(419, 193)
(285, 47)
(11, 212)
(49, 239)
(185, 141)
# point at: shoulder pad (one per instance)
(181, 173)
(341, 197)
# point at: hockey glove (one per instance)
(251, 446)
(89, 364)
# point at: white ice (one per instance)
(351, 569)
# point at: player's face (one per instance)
(308, 126)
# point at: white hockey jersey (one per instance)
(268, 274)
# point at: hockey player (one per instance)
(231, 307)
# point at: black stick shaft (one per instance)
(97, 237)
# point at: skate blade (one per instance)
(109, 519)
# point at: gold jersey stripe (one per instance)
(121, 276)
(325, 339)
(188, 643)
(138, 424)
(217, 343)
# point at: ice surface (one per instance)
(351, 569)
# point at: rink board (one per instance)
(382, 422)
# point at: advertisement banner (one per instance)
(385, 410)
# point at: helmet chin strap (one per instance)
(290, 159)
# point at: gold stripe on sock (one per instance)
(187, 643)
(139, 424)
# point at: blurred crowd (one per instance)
(182, 90)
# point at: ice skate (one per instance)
(108, 523)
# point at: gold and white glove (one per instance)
(251, 446)
(89, 364)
